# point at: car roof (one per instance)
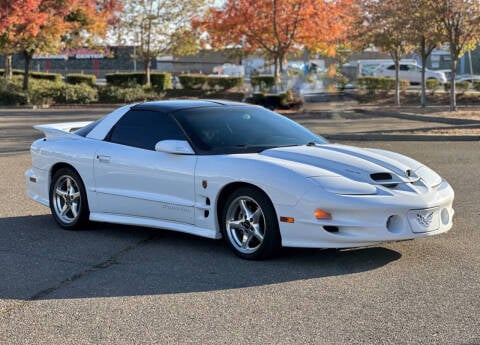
(175, 105)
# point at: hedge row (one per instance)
(460, 86)
(200, 81)
(45, 92)
(432, 84)
(284, 100)
(375, 84)
(37, 75)
(119, 94)
(75, 78)
(262, 81)
(161, 81)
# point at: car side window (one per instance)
(144, 128)
(391, 67)
(404, 68)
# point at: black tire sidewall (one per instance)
(272, 239)
(84, 212)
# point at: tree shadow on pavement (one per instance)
(41, 261)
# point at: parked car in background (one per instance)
(410, 72)
(467, 77)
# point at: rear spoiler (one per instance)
(63, 130)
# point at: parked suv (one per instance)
(410, 72)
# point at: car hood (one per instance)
(357, 164)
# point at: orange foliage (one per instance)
(276, 26)
(42, 24)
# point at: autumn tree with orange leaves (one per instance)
(275, 27)
(34, 26)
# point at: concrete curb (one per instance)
(417, 117)
(400, 137)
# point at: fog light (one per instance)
(395, 224)
(321, 214)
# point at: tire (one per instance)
(68, 199)
(250, 225)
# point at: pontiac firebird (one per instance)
(223, 169)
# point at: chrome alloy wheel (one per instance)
(245, 224)
(66, 199)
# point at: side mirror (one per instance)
(178, 147)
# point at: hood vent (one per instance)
(379, 177)
(384, 179)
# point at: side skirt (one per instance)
(154, 223)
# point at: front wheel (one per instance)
(250, 224)
(68, 200)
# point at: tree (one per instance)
(33, 26)
(460, 20)
(386, 25)
(16, 19)
(426, 33)
(274, 27)
(159, 27)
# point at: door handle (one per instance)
(103, 158)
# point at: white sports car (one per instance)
(241, 172)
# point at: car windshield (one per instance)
(239, 129)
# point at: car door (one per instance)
(414, 74)
(132, 179)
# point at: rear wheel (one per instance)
(250, 225)
(68, 199)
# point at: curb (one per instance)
(416, 117)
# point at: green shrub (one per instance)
(14, 71)
(341, 82)
(47, 92)
(11, 93)
(264, 81)
(160, 81)
(80, 93)
(37, 75)
(460, 86)
(124, 79)
(476, 85)
(75, 78)
(282, 100)
(55, 77)
(375, 84)
(200, 81)
(224, 83)
(432, 85)
(118, 94)
(193, 81)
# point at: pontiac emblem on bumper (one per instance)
(425, 220)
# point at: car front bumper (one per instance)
(363, 220)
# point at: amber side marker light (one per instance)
(321, 214)
(287, 219)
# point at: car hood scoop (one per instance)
(363, 165)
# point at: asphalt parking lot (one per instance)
(115, 284)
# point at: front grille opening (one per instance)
(381, 176)
(331, 228)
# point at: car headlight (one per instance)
(344, 186)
